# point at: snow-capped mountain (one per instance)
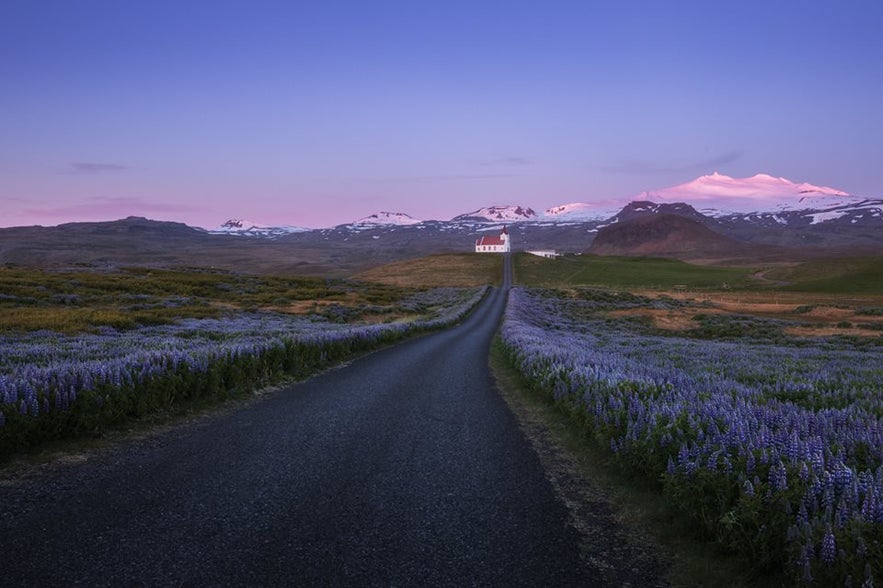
(761, 197)
(508, 213)
(720, 195)
(761, 217)
(766, 201)
(245, 228)
(388, 218)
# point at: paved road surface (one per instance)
(403, 468)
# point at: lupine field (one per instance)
(772, 444)
(55, 384)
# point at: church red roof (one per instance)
(488, 240)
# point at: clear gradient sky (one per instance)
(316, 113)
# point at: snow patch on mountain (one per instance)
(844, 210)
(388, 218)
(580, 212)
(820, 217)
(246, 228)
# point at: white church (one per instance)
(493, 244)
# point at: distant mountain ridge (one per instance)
(639, 228)
(813, 220)
(388, 218)
(774, 199)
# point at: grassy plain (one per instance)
(844, 275)
(625, 273)
(819, 298)
(451, 269)
(75, 301)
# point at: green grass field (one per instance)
(626, 273)
(849, 275)
(861, 275)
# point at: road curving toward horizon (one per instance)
(402, 468)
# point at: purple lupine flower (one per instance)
(749, 463)
(46, 365)
(713, 400)
(781, 477)
(802, 514)
(828, 551)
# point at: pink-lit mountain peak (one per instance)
(757, 186)
(759, 192)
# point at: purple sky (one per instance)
(319, 113)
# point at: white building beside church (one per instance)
(547, 253)
(493, 244)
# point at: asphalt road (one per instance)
(403, 468)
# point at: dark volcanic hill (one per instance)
(672, 235)
(643, 208)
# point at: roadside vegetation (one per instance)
(650, 524)
(81, 352)
(753, 410)
(747, 399)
